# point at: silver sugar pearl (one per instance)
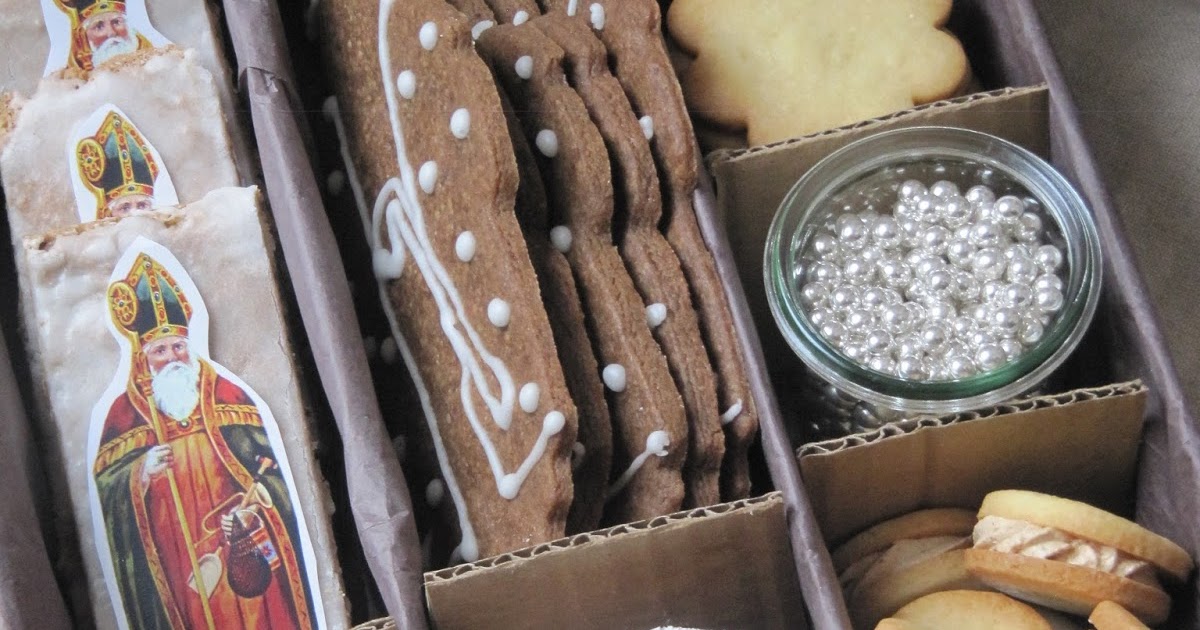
(1047, 282)
(909, 345)
(1021, 270)
(916, 313)
(1049, 258)
(991, 290)
(1048, 300)
(859, 320)
(852, 234)
(1018, 249)
(910, 189)
(1031, 331)
(902, 210)
(940, 280)
(1015, 295)
(895, 318)
(912, 369)
(872, 254)
(990, 357)
(966, 287)
(857, 271)
(956, 212)
(879, 341)
(940, 310)
(934, 335)
(910, 232)
(959, 366)
(964, 326)
(987, 264)
(882, 363)
(980, 195)
(986, 234)
(928, 264)
(959, 251)
(895, 274)
(825, 246)
(886, 232)
(834, 331)
(925, 208)
(825, 272)
(818, 316)
(943, 189)
(814, 294)
(1012, 349)
(1005, 321)
(1008, 209)
(934, 238)
(844, 296)
(856, 351)
(981, 338)
(872, 297)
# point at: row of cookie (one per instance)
(561, 304)
(184, 497)
(1057, 553)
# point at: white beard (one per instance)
(176, 389)
(113, 47)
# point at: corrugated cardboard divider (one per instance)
(1081, 445)
(726, 566)
(751, 183)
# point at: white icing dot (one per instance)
(406, 83)
(597, 11)
(657, 443)
(335, 182)
(560, 238)
(553, 423)
(480, 27)
(464, 246)
(579, 450)
(499, 312)
(468, 549)
(460, 123)
(509, 486)
(329, 108)
(388, 351)
(427, 176)
(656, 314)
(520, 17)
(614, 377)
(732, 413)
(524, 66)
(370, 347)
(529, 397)
(435, 491)
(429, 35)
(647, 124)
(547, 143)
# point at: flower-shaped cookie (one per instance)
(785, 68)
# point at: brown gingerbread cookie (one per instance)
(515, 12)
(428, 143)
(632, 32)
(650, 260)
(649, 421)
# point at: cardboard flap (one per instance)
(1082, 445)
(728, 566)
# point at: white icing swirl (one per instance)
(1007, 535)
(656, 444)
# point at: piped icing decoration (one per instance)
(520, 17)
(656, 314)
(656, 444)
(572, 7)
(464, 246)
(578, 452)
(406, 84)
(529, 397)
(524, 66)
(429, 35)
(335, 182)
(597, 15)
(460, 123)
(547, 142)
(399, 205)
(387, 351)
(499, 312)
(435, 491)
(427, 176)
(560, 238)
(480, 27)
(647, 124)
(614, 377)
(732, 413)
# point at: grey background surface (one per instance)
(1133, 67)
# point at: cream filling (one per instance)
(1006, 535)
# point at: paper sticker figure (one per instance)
(86, 33)
(114, 168)
(196, 516)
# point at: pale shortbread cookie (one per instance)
(965, 610)
(910, 569)
(782, 69)
(221, 245)
(1111, 616)
(914, 525)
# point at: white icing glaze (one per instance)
(429, 35)
(560, 238)
(572, 7)
(529, 397)
(732, 413)
(597, 15)
(427, 176)
(656, 444)
(464, 246)
(520, 17)
(435, 491)
(647, 124)
(480, 27)
(335, 182)
(406, 83)
(524, 66)
(614, 377)
(460, 123)
(547, 142)
(387, 351)
(499, 312)
(656, 314)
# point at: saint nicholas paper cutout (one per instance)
(115, 170)
(86, 33)
(196, 516)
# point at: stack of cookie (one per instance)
(171, 419)
(530, 215)
(1059, 554)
